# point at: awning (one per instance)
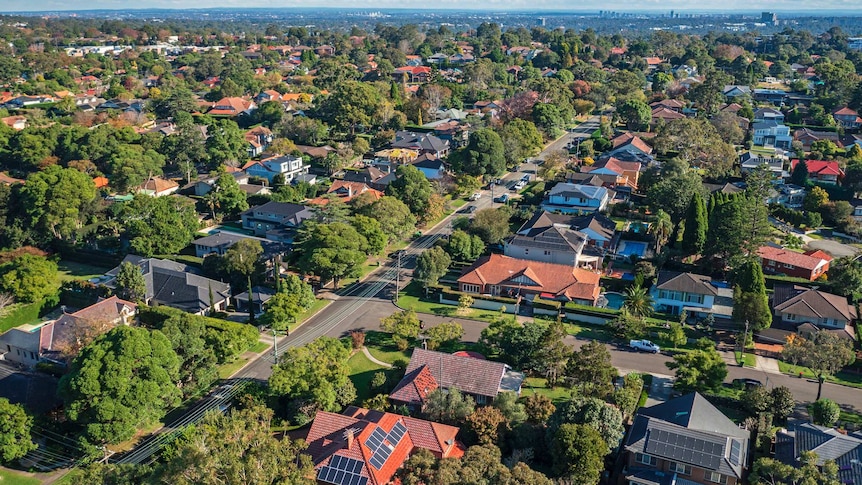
(547, 296)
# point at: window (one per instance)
(716, 477)
(790, 317)
(680, 468)
(470, 288)
(645, 459)
(547, 253)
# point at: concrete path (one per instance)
(766, 364)
(372, 359)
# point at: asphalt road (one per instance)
(582, 131)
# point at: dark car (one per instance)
(746, 383)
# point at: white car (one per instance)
(644, 346)
(476, 196)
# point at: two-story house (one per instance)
(750, 161)
(825, 171)
(628, 142)
(548, 238)
(574, 198)
(258, 139)
(796, 306)
(768, 114)
(809, 265)
(205, 185)
(787, 195)
(277, 221)
(674, 292)
(829, 444)
(807, 136)
(287, 166)
(771, 134)
(232, 107)
(686, 440)
(847, 118)
(626, 173)
(422, 143)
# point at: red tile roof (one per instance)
(158, 185)
(100, 182)
(820, 167)
(845, 111)
(633, 140)
(230, 106)
(817, 253)
(415, 386)
(785, 256)
(666, 114)
(346, 190)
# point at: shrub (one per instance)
(357, 339)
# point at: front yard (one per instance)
(843, 378)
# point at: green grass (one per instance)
(231, 368)
(380, 345)
(750, 359)
(412, 298)
(538, 385)
(319, 304)
(19, 314)
(586, 331)
(71, 270)
(843, 378)
(362, 371)
(458, 203)
(851, 417)
(10, 478)
(259, 347)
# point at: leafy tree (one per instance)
(553, 354)
(186, 148)
(635, 113)
(514, 411)
(578, 453)
(229, 197)
(694, 236)
(488, 424)
(226, 144)
(189, 339)
(638, 302)
(845, 276)
(126, 379)
(130, 284)
(448, 406)
(700, 370)
(109, 474)
(402, 325)
(331, 251)
(757, 400)
(727, 126)
(674, 191)
(314, 375)
(627, 326)
(444, 334)
(816, 199)
(129, 166)
(372, 231)
(626, 397)
(483, 155)
(394, 216)
(520, 140)
(697, 142)
(783, 402)
(491, 225)
(661, 229)
(480, 464)
(823, 352)
(799, 176)
(590, 370)
(411, 187)
(173, 102)
(237, 448)
(29, 278)
(56, 200)
(270, 113)
(550, 118)
(282, 310)
(353, 104)
(431, 265)
(538, 408)
(591, 412)
(825, 412)
(520, 344)
(15, 424)
(769, 471)
(464, 247)
(159, 225)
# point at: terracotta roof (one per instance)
(686, 282)
(668, 103)
(666, 114)
(556, 279)
(817, 253)
(653, 61)
(230, 106)
(845, 111)
(633, 140)
(415, 386)
(100, 182)
(468, 375)
(346, 190)
(785, 256)
(158, 185)
(820, 167)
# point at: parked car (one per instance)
(476, 196)
(644, 346)
(746, 383)
(502, 199)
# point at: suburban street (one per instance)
(580, 132)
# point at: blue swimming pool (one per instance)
(629, 248)
(615, 300)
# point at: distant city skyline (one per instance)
(725, 6)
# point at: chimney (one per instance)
(348, 437)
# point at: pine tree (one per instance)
(750, 301)
(694, 237)
(799, 176)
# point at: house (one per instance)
(421, 142)
(478, 378)
(685, 441)
(431, 167)
(205, 185)
(824, 171)
(232, 107)
(725, 188)
(671, 104)
(219, 242)
(500, 275)
(17, 123)
(412, 74)
(808, 136)
(664, 115)
(810, 265)
(674, 292)
(599, 229)
(258, 139)
(771, 134)
(829, 444)
(288, 166)
(749, 161)
(258, 298)
(59, 340)
(626, 173)
(736, 92)
(787, 195)
(774, 96)
(157, 187)
(371, 176)
(800, 308)
(176, 285)
(768, 114)
(277, 221)
(547, 238)
(575, 198)
(367, 447)
(346, 191)
(847, 118)
(628, 142)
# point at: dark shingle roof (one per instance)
(828, 443)
(686, 282)
(811, 303)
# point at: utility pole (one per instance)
(742, 350)
(398, 274)
(274, 347)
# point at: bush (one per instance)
(546, 304)
(228, 339)
(825, 412)
(357, 339)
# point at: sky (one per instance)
(729, 6)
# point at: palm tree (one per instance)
(638, 302)
(661, 229)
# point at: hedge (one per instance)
(771, 281)
(228, 339)
(456, 295)
(543, 304)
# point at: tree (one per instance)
(444, 334)
(489, 424)
(553, 354)
(189, 339)
(592, 412)
(431, 265)
(159, 225)
(661, 229)
(331, 251)
(538, 408)
(769, 471)
(448, 406)
(371, 230)
(674, 191)
(825, 412)
(757, 400)
(314, 377)
(229, 197)
(483, 155)
(240, 447)
(130, 284)
(270, 113)
(15, 424)
(799, 176)
(694, 236)
(638, 302)
(816, 199)
(30, 278)
(635, 113)
(783, 403)
(626, 397)
(520, 140)
(282, 310)
(411, 187)
(56, 200)
(402, 325)
(394, 216)
(697, 142)
(825, 353)
(353, 104)
(514, 411)
(845, 276)
(700, 370)
(491, 225)
(464, 247)
(727, 126)
(578, 453)
(126, 379)
(226, 144)
(590, 370)
(675, 334)
(750, 301)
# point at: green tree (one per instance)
(626, 397)
(799, 176)
(402, 325)
(130, 284)
(129, 166)
(431, 265)
(700, 370)
(226, 144)
(445, 333)
(538, 408)
(491, 225)
(783, 403)
(816, 199)
(29, 278)
(520, 140)
(372, 231)
(578, 453)
(750, 301)
(635, 113)
(270, 113)
(15, 424)
(464, 247)
(694, 236)
(315, 376)
(674, 191)
(697, 142)
(483, 155)
(124, 380)
(674, 335)
(769, 471)
(757, 400)
(825, 412)
(845, 276)
(825, 353)
(353, 104)
(661, 229)
(159, 225)
(590, 370)
(331, 251)
(229, 197)
(553, 354)
(411, 187)
(56, 200)
(394, 216)
(638, 302)
(592, 412)
(488, 424)
(189, 339)
(448, 406)
(507, 403)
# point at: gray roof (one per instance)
(690, 430)
(467, 374)
(762, 125)
(288, 212)
(828, 443)
(598, 223)
(810, 303)
(686, 282)
(419, 141)
(579, 191)
(21, 339)
(552, 238)
(258, 293)
(228, 239)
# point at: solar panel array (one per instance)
(342, 471)
(735, 452)
(702, 453)
(381, 444)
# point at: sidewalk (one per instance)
(766, 364)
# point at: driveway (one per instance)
(36, 391)
(834, 248)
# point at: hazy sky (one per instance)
(622, 5)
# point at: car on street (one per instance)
(502, 199)
(476, 196)
(644, 346)
(746, 383)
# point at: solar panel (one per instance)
(398, 432)
(699, 452)
(735, 451)
(375, 440)
(342, 471)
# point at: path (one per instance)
(766, 364)
(372, 359)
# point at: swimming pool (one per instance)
(615, 300)
(629, 248)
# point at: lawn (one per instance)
(380, 345)
(362, 371)
(231, 368)
(537, 385)
(259, 347)
(412, 299)
(319, 304)
(458, 203)
(750, 360)
(588, 332)
(71, 270)
(10, 478)
(842, 378)
(19, 314)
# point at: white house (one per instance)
(574, 198)
(674, 292)
(288, 166)
(771, 134)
